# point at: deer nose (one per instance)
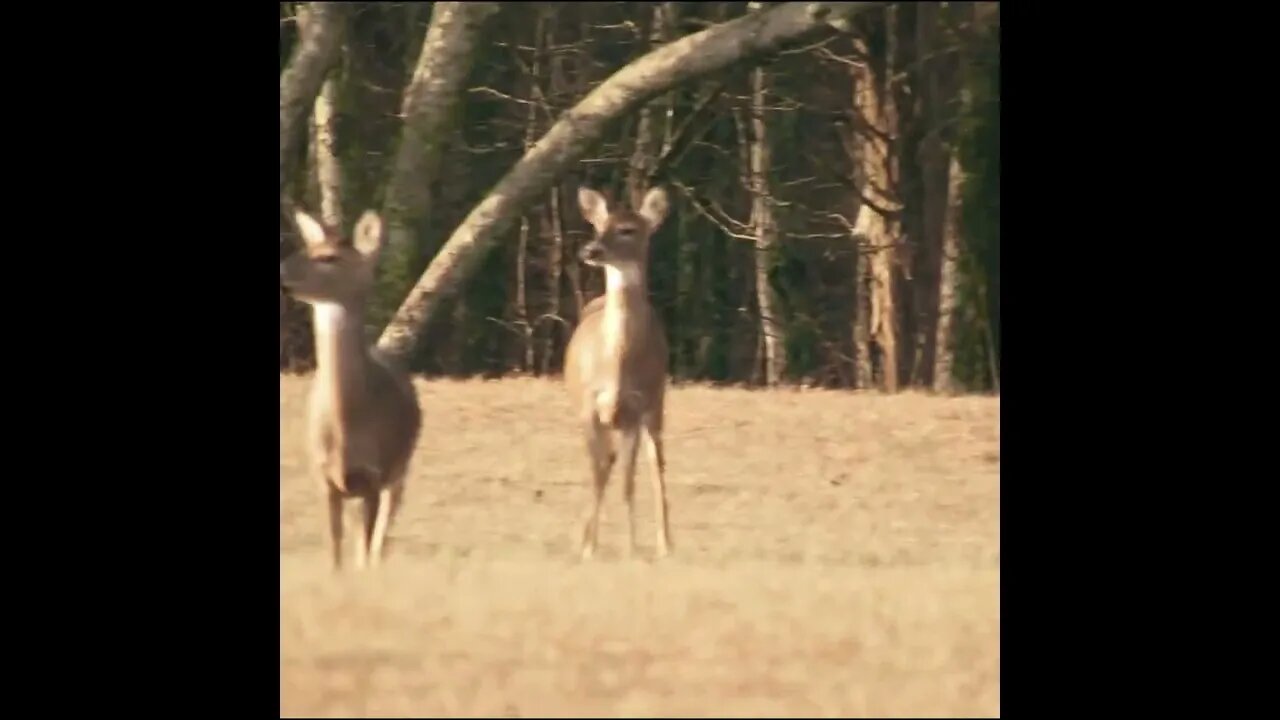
(593, 251)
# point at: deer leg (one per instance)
(369, 508)
(629, 445)
(335, 526)
(378, 532)
(653, 448)
(601, 463)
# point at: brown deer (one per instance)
(616, 361)
(364, 415)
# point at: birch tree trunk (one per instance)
(522, 254)
(764, 227)
(580, 127)
(328, 169)
(947, 279)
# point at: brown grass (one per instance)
(836, 554)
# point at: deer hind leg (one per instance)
(628, 446)
(601, 456)
(657, 464)
(335, 526)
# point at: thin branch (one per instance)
(702, 209)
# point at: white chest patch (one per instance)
(328, 316)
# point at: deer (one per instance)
(616, 361)
(363, 414)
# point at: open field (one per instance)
(836, 554)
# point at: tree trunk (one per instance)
(320, 32)
(904, 96)
(934, 94)
(864, 373)
(554, 263)
(879, 234)
(522, 257)
(429, 108)
(645, 154)
(328, 169)
(947, 279)
(764, 227)
(579, 128)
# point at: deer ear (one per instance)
(654, 208)
(368, 234)
(594, 208)
(312, 231)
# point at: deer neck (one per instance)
(340, 353)
(624, 307)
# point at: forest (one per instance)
(833, 170)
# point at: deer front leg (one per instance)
(335, 526)
(377, 521)
(601, 463)
(653, 448)
(628, 448)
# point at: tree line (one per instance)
(834, 172)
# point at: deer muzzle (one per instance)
(592, 252)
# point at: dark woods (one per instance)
(835, 208)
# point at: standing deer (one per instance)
(616, 361)
(364, 416)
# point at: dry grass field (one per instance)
(835, 554)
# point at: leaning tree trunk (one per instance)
(320, 31)
(876, 224)
(580, 127)
(429, 109)
(764, 227)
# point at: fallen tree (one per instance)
(688, 58)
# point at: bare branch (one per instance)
(499, 94)
(692, 197)
(684, 135)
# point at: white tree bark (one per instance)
(945, 353)
(328, 169)
(579, 128)
(765, 228)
